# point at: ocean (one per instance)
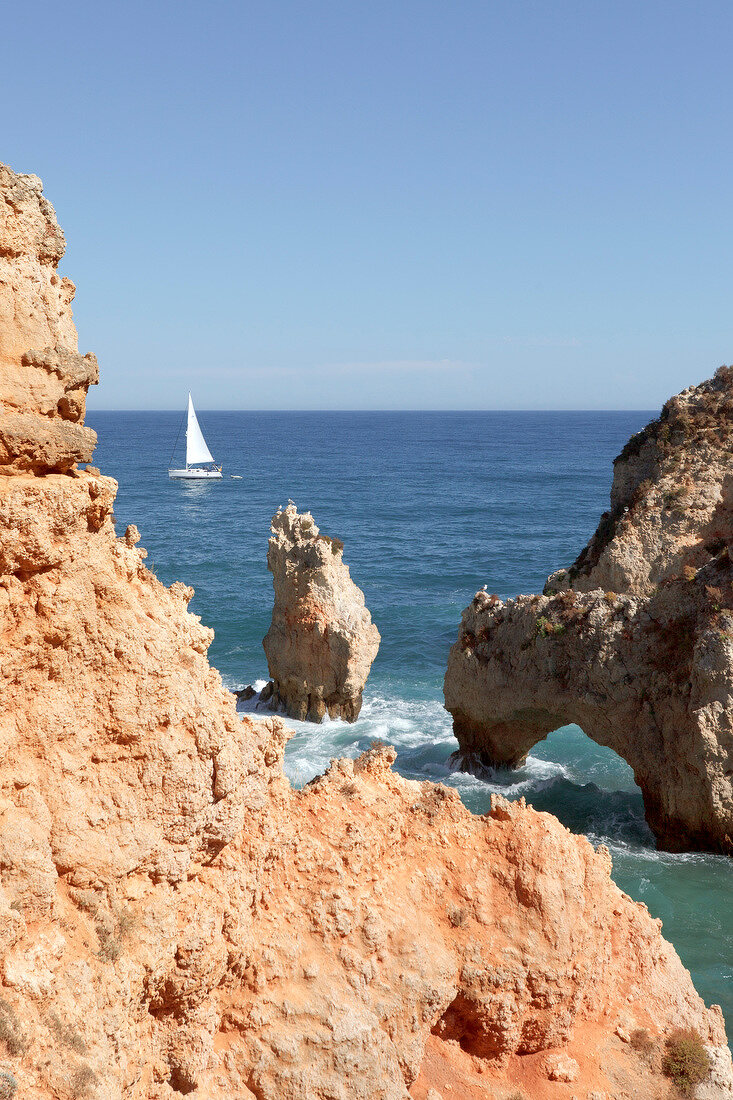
(430, 507)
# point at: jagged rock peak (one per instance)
(641, 658)
(43, 378)
(670, 497)
(322, 641)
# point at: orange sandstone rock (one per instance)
(43, 378)
(175, 920)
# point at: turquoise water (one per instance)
(431, 506)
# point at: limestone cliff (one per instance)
(670, 497)
(634, 642)
(322, 641)
(175, 920)
(43, 379)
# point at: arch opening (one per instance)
(595, 794)
(589, 787)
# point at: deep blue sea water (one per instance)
(430, 506)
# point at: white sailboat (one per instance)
(199, 459)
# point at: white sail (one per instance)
(196, 449)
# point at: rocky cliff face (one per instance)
(322, 641)
(670, 497)
(43, 379)
(175, 920)
(634, 642)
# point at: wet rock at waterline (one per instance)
(245, 694)
(322, 641)
(647, 668)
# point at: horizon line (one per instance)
(300, 412)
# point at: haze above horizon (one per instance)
(416, 206)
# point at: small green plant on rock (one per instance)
(110, 947)
(673, 499)
(82, 1081)
(336, 545)
(111, 939)
(11, 1033)
(685, 1061)
(545, 628)
(126, 923)
(642, 1042)
(715, 595)
(66, 1034)
(8, 1085)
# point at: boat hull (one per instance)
(194, 475)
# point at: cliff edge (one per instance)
(634, 642)
(175, 920)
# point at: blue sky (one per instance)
(385, 205)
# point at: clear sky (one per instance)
(403, 204)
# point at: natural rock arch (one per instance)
(648, 679)
(645, 669)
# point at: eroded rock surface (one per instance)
(634, 642)
(671, 497)
(175, 920)
(322, 641)
(43, 378)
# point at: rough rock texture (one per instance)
(322, 641)
(671, 497)
(175, 920)
(43, 378)
(634, 642)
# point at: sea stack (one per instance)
(634, 642)
(322, 641)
